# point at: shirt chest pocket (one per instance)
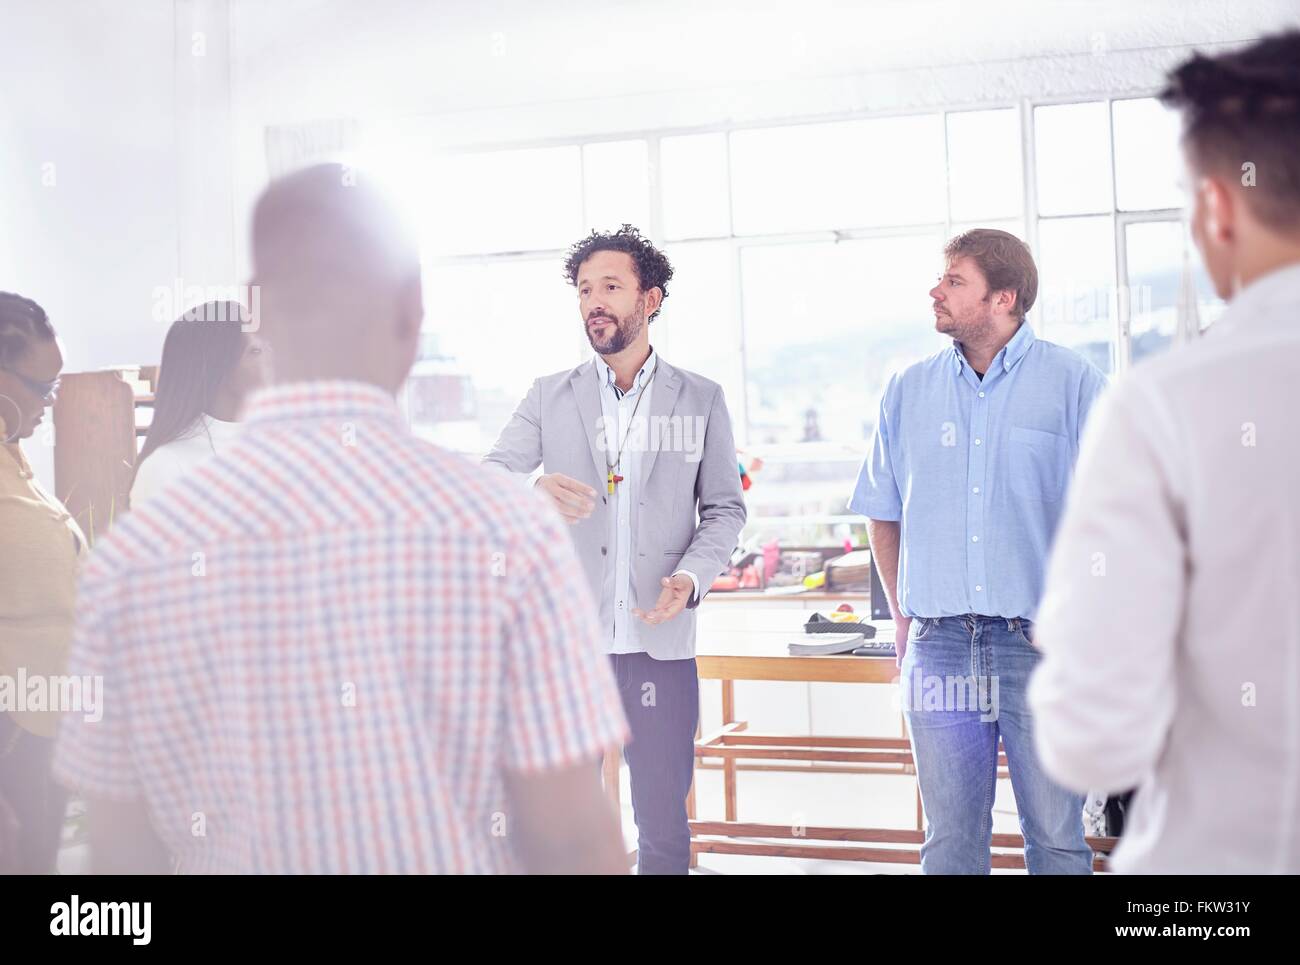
(1039, 464)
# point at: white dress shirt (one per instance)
(618, 425)
(1171, 619)
(180, 457)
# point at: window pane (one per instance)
(1160, 258)
(492, 201)
(1076, 287)
(984, 165)
(1209, 306)
(812, 177)
(1155, 276)
(817, 355)
(490, 329)
(693, 186)
(616, 185)
(1072, 154)
(699, 326)
(1148, 163)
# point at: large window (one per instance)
(804, 254)
(826, 322)
(1118, 279)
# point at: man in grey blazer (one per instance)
(639, 457)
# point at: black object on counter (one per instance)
(822, 624)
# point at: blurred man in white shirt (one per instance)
(1171, 620)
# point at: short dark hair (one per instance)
(1005, 260)
(1244, 107)
(21, 322)
(651, 264)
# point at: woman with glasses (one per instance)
(40, 550)
(209, 365)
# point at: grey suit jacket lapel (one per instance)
(662, 400)
(586, 392)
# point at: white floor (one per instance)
(830, 799)
(775, 797)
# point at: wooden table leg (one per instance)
(729, 765)
(920, 821)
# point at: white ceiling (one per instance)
(303, 58)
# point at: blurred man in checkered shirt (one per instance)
(336, 648)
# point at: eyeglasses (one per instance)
(45, 391)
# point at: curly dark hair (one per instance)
(1244, 106)
(651, 264)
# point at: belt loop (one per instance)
(1013, 625)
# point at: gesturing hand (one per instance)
(676, 593)
(573, 499)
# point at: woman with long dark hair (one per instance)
(209, 365)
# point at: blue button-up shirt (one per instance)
(976, 471)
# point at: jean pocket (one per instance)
(922, 627)
(1025, 631)
(1038, 464)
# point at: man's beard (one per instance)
(626, 331)
(970, 330)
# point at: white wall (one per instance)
(115, 168)
(87, 173)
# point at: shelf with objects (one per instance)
(99, 419)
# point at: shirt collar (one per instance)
(607, 377)
(324, 399)
(1256, 300)
(1008, 355)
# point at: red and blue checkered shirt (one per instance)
(324, 649)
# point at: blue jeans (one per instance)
(964, 681)
(661, 699)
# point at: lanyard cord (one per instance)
(618, 459)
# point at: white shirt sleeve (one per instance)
(152, 477)
(1104, 695)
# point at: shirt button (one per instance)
(977, 442)
(976, 489)
(974, 539)
(978, 588)
(981, 395)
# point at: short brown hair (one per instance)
(1005, 261)
(1242, 109)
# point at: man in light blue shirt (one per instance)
(963, 489)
